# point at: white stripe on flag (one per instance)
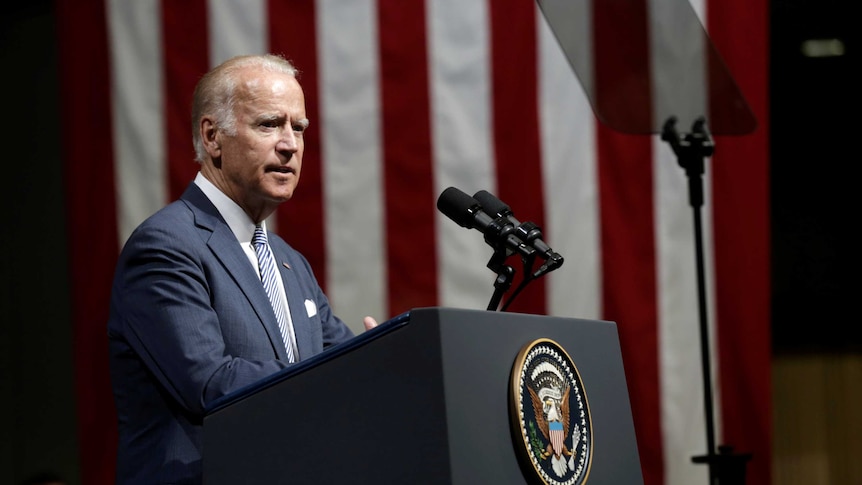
(138, 110)
(569, 176)
(461, 137)
(237, 27)
(351, 146)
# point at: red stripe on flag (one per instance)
(622, 69)
(185, 49)
(740, 174)
(408, 172)
(292, 33)
(629, 294)
(516, 124)
(91, 219)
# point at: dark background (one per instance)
(813, 106)
(814, 183)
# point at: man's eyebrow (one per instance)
(303, 122)
(271, 117)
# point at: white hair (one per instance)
(215, 93)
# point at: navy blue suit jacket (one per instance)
(189, 323)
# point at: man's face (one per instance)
(259, 165)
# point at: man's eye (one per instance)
(270, 124)
(299, 128)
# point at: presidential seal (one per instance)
(551, 422)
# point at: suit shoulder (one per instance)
(174, 216)
(173, 225)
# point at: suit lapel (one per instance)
(224, 246)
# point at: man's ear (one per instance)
(210, 137)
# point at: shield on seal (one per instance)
(557, 435)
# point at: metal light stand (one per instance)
(725, 467)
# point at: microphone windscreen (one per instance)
(491, 203)
(458, 206)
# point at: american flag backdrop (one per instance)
(407, 98)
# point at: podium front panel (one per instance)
(427, 402)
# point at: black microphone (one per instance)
(467, 212)
(528, 232)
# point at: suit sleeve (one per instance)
(165, 325)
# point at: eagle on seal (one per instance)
(552, 418)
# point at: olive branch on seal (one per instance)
(536, 444)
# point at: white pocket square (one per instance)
(310, 308)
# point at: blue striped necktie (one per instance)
(268, 275)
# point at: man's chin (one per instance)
(280, 193)
(280, 198)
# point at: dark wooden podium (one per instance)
(421, 399)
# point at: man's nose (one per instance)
(288, 141)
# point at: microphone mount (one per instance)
(505, 234)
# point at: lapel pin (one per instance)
(286, 265)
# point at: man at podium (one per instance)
(205, 300)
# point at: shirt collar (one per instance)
(239, 222)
